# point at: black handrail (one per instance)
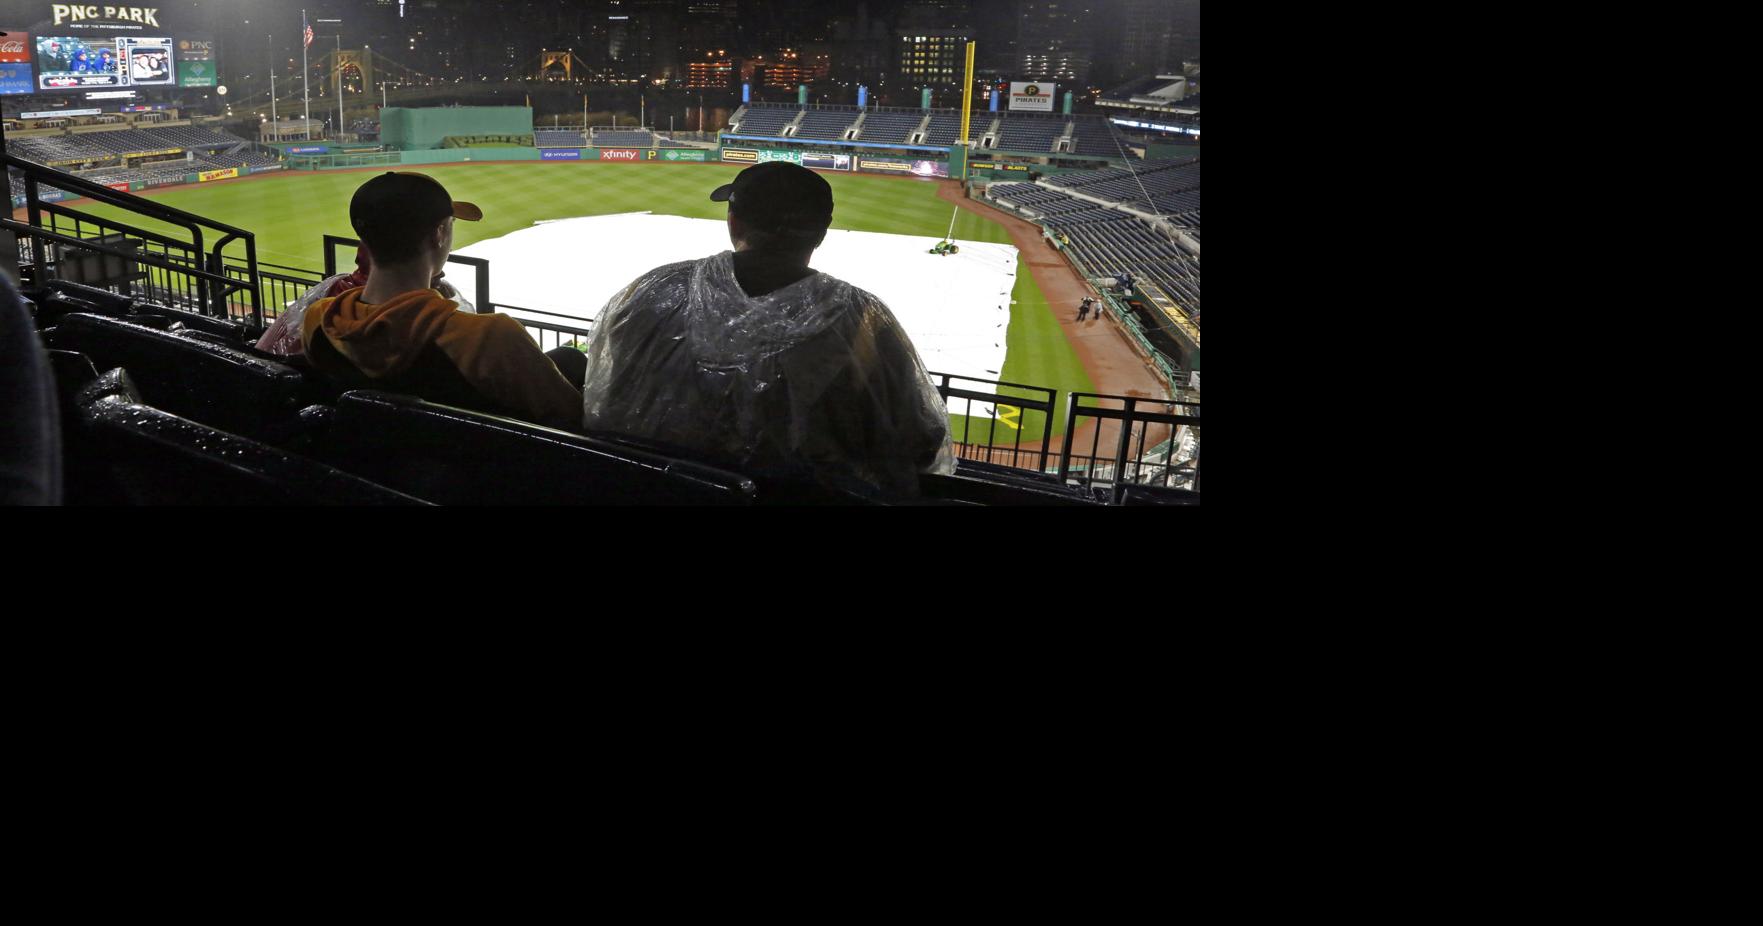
(211, 297)
(1127, 417)
(481, 264)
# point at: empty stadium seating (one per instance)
(624, 138)
(763, 119)
(555, 138)
(123, 451)
(1030, 133)
(1095, 135)
(826, 124)
(1171, 189)
(945, 128)
(881, 126)
(224, 387)
(458, 457)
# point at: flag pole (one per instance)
(337, 62)
(276, 131)
(305, 91)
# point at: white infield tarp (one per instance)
(955, 309)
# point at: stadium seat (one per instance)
(453, 456)
(1134, 496)
(223, 387)
(121, 451)
(30, 430)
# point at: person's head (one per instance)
(406, 221)
(777, 207)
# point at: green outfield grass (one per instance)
(290, 212)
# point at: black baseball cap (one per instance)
(778, 196)
(394, 196)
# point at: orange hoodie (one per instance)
(492, 352)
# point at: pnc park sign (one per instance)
(75, 13)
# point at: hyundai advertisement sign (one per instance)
(560, 154)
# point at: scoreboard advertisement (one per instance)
(51, 47)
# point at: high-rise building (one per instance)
(932, 57)
(1146, 44)
(1054, 41)
(932, 42)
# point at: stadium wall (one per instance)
(426, 128)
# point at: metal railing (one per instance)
(1158, 424)
(1017, 414)
(169, 266)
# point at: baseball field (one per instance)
(290, 212)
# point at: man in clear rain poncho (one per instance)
(750, 359)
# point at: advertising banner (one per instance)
(168, 181)
(1031, 97)
(765, 154)
(314, 149)
(893, 166)
(195, 50)
(560, 154)
(683, 154)
(744, 155)
(61, 113)
(154, 154)
(195, 73)
(15, 63)
(118, 186)
(820, 161)
(621, 154)
(265, 170)
(208, 175)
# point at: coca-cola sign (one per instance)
(15, 48)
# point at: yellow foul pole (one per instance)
(966, 106)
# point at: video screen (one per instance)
(70, 63)
(149, 61)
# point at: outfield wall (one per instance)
(428, 127)
(136, 186)
(830, 157)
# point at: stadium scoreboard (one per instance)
(50, 47)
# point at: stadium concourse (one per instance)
(955, 308)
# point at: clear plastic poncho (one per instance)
(812, 380)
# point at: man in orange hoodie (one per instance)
(399, 335)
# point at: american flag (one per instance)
(306, 28)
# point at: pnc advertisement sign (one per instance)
(620, 154)
(1032, 97)
(560, 154)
